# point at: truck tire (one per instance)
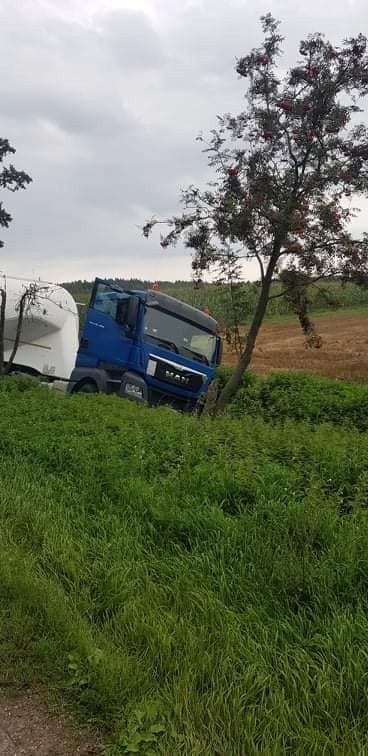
(87, 387)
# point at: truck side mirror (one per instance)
(132, 312)
(127, 312)
(219, 351)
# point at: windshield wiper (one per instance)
(165, 342)
(201, 357)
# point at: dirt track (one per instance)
(29, 728)
(344, 351)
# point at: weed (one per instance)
(143, 731)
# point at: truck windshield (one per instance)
(179, 335)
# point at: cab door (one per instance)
(105, 341)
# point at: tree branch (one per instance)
(307, 283)
(261, 266)
(28, 296)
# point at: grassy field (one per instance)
(191, 588)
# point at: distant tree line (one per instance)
(327, 295)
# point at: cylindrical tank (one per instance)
(49, 335)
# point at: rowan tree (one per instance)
(286, 171)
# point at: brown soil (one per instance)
(343, 354)
(29, 728)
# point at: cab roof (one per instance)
(155, 298)
(181, 310)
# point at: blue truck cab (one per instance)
(146, 345)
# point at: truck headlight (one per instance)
(131, 389)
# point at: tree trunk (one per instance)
(2, 328)
(209, 408)
(312, 338)
(233, 383)
(22, 307)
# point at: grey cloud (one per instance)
(75, 113)
(210, 35)
(104, 110)
(131, 39)
(61, 73)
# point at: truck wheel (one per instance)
(88, 387)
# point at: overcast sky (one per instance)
(103, 100)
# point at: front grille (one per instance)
(186, 379)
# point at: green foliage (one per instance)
(143, 731)
(190, 587)
(295, 396)
(81, 671)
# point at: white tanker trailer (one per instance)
(49, 336)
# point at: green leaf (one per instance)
(157, 728)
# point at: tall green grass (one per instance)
(193, 588)
(298, 396)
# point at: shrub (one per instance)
(296, 396)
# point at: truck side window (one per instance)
(106, 300)
(122, 311)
